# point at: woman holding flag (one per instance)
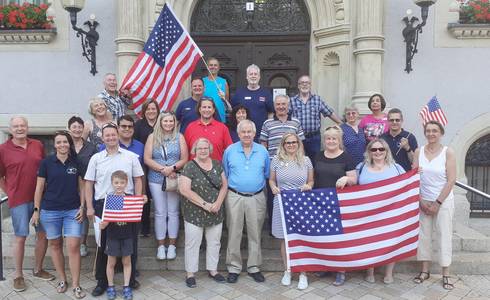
(437, 166)
(334, 167)
(290, 170)
(378, 165)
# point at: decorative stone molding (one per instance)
(339, 11)
(331, 59)
(469, 31)
(28, 36)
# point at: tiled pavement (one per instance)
(170, 285)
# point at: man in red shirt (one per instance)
(206, 126)
(19, 161)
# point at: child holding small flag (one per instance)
(119, 239)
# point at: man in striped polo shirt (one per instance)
(272, 132)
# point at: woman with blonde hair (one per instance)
(334, 168)
(290, 170)
(378, 165)
(165, 154)
(92, 131)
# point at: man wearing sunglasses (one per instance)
(402, 143)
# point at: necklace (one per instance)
(432, 151)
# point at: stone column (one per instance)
(130, 36)
(368, 52)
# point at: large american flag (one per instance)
(168, 58)
(119, 208)
(353, 228)
(433, 112)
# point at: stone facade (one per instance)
(356, 49)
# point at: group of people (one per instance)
(216, 159)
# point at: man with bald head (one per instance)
(117, 103)
(20, 157)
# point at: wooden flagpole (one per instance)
(217, 86)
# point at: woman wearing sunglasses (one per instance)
(378, 165)
(334, 168)
(290, 170)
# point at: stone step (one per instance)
(464, 263)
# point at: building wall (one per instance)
(458, 76)
(54, 78)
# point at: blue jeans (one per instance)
(312, 145)
(58, 222)
(21, 216)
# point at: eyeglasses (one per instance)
(380, 149)
(395, 120)
(126, 126)
(303, 83)
(351, 113)
(202, 149)
(291, 143)
(109, 125)
(336, 127)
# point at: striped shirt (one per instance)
(116, 105)
(309, 113)
(274, 129)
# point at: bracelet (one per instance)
(440, 203)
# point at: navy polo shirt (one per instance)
(186, 113)
(61, 192)
(258, 102)
(394, 142)
(136, 147)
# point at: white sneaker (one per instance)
(286, 278)
(161, 252)
(303, 281)
(171, 252)
(83, 250)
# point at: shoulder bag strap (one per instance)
(206, 175)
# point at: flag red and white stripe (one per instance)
(168, 58)
(123, 208)
(433, 112)
(379, 225)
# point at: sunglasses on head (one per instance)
(380, 149)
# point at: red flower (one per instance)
(1, 15)
(43, 6)
(484, 1)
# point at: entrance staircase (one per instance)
(471, 252)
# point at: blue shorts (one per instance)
(56, 222)
(21, 216)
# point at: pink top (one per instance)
(374, 127)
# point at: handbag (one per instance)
(169, 184)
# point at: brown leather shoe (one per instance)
(19, 284)
(43, 275)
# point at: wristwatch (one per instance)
(174, 167)
(36, 209)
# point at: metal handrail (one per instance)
(472, 189)
(3, 200)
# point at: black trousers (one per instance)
(101, 263)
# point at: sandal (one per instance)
(423, 276)
(78, 293)
(445, 283)
(61, 287)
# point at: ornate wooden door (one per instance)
(274, 36)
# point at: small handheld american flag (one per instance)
(433, 112)
(119, 208)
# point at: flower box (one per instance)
(27, 36)
(469, 31)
